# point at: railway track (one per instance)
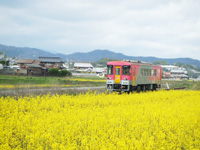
(179, 88)
(168, 87)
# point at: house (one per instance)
(83, 66)
(174, 72)
(99, 70)
(35, 69)
(166, 75)
(179, 74)
(51, 62)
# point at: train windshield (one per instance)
(126, 70)
(110, 69)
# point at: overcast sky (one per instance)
(160, 28)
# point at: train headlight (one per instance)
(109, 78)
(125, 79)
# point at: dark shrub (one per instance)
(65, 73)
(56, 72)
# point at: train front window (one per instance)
(110, 69)
(126, 70)
(117, 71)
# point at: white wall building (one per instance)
(1, 66)
(83, 66)
(99, 70)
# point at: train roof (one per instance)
(131, 62)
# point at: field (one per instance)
(151, 120)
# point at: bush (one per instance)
(56, 72)
(53, 72)
(65, 73)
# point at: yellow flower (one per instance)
(152, 120)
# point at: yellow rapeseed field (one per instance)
(153, 120)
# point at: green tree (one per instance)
(104, 61)
(4, 62)
(54, 72)
(160, 62)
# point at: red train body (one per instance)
(132, 76)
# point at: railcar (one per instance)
(128, 76)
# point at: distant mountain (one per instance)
(26, 52)
(33, 53)
(99, 54)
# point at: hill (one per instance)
(99, 54)
(92, 56)
(26, 52)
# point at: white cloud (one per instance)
(161, 28)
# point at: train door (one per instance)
(133, 76)
(117, 74)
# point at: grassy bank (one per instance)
(24, 80)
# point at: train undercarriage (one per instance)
(130, 88)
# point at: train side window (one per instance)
(146, 72)
(142, 72)
(110, 69)
(158, 72)
(117, 71)
(149, 72)
(126, 70)
(154, 72)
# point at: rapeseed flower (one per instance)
(152, 120)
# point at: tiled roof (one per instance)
(37, 62)
(25, 61)
(34, 66)
(178, 71)
(88, 65)
(50, 59)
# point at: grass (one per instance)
(21, 80)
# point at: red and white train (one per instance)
(131, 75)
